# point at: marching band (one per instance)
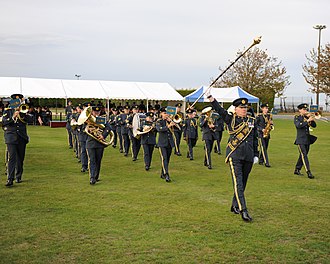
(89, 133)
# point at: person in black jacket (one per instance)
(148, 140)
(16, 138)
(208, 128)
(262, 120)
(178, 130)
(112, 122)
(95, 149)
(242, 150)
(136, 142)
(190, 132)
(302, 122)
(219, 128)
(68, 114)
(164, 126)
(124, 127)
(82, 137)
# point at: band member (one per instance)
(68, 113)
(242, 150)
(16, 138)
(112, 122)
(148, 140)
(190, 132)
(178, 130)
(219, 128)
(95, 149)
(118, 129)
(164, 126)
(75, 141)
(125, 128)
(264, 123)
(208, 129)
(136, 142)
(302, 122)
(82, 137)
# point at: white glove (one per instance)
(208, 92)
(255, 160)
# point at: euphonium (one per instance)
(94, 129)
(23, 108)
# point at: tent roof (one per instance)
(56, 88)
(222, 94)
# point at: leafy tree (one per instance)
(257, 73)
(311, 70)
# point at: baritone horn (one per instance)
(93, 129)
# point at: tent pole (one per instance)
(108, 106)
(147, 105)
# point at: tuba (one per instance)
(93, 129)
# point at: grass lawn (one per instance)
(132, 216)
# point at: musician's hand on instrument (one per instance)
(310, 119)
(16, 114)
(100, 137)
(263, 130)
(211, 126)
(255, 160)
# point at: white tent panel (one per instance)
(159, 91)
(9, 86)
(84, 89)
(42, 88)
(123, 90)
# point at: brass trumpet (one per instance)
(316, 115)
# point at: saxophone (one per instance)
(269, 126)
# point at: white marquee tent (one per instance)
(55, 88)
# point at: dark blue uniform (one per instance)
(219, 128)
(190, 134)
(241, 149)
(177, 135)
(209, 136)
(136, 142)
(68, 113)
(124, 132)
(16, 138)
(112, 122)
(82, 137)
(303, 140)
(261, 122)
(148, 141)
(95, 151)
(165, 144)
(118, 132)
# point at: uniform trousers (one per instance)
(16, 154)
(83, 155)
(126, 142)
(217, 147)
(94, 161)
(69, 129)
(120, 139)
(263, 145)
(148, 149)
(165, 155)
(240, 170)
(303, 157)
(115, 137)
(208, 149)
(136, 145)
(191, 143)
(177, 140)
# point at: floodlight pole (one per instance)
(319, 28)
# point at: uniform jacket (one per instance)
(124, 123)
(112, 122)
(302, 126)
(190, 129)
(14, 129)
(165, 136)
(176, 129)
(82, 136)
(117, 123)
(248, 149)
(219, 124)
(149, 138)
(208, 133)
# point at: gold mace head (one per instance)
(257, 40)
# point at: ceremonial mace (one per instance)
(256, 41)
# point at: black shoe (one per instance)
(219, 153)
(92, 181)
(18, 180)
(147, 168)
(134, 159)
(191, 158)
(125, 154)
(178, 154)
(79, 161)
(245, 216)
(9, 183)
(215, 150)
(310, 175)
(114, 146)
(187, 154)
(162, 176)
(234, 209)
(70, 147)
(167, 178)
(297, 172)
(209, 167)
(121, 151)
(83, 170)
(261, 163)
(267, 165)
(205, 163)
(98, 180)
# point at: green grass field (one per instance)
(132, 216)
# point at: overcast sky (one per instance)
(179, 42)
